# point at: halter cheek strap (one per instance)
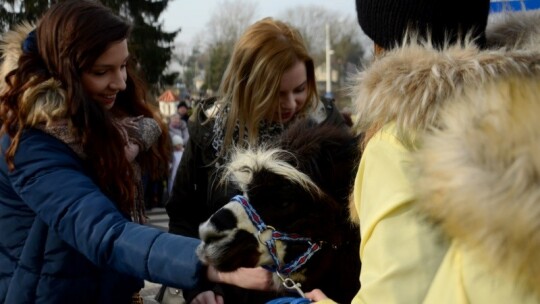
(270, 244)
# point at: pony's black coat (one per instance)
(329, 156)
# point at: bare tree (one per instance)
(232, 17)
(311, 21)
(229, 21)
(226, 25)
(347, 41)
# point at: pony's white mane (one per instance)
(245, 162)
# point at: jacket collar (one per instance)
(409, 85)
(11, 49)
(43, 103)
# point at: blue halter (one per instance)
(288, 268)
(277, 268)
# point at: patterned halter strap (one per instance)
(278, 267)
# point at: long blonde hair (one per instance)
(251, 83)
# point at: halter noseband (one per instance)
(270, 244)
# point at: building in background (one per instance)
(168, 101)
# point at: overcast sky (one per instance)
(193, 15)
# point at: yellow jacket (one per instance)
(448, 190)
(406, 258)
(400, 251)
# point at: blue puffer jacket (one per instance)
(63, 241)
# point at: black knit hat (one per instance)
(386, 21)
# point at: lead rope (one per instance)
(290, 284)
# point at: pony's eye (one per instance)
(285, 204)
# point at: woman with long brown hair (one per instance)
(77, 134)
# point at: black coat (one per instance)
(195, 195)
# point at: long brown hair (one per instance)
(252, 79)
(70, 36)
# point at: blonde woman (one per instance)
(269, 83)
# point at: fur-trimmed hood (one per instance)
(474, 117)
(410, 84)
(11, 50)
(43, 103)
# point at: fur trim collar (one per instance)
(411, 84)
(479, 175)
(43, 103)
(10, 49)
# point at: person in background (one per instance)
(183, 110)
(268, 84)
(74, 124)
(179, 127)
(178, 151)
(447, 188)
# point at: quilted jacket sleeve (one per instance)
(50, 179)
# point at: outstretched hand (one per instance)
(316, 295)
(249, 278)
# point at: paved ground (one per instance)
(149, 292)
(157, 217)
